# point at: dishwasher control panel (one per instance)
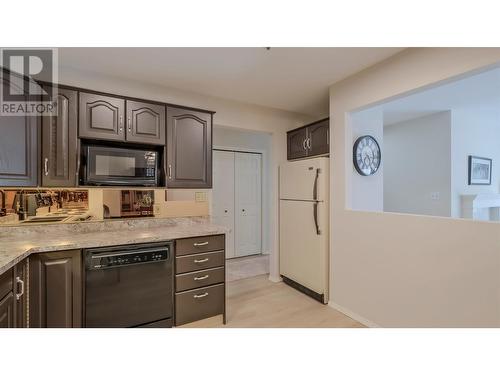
(119, 258)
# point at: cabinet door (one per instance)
(319, 134)
(56, 289)
(223, 195)
(21, 294)
(59, 141)
(145, 123)
(101, 117)
(248, 196)
(189, 149)
(7, 311)
(18, 147)
(297, 143)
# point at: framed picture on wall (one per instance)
(479, 170)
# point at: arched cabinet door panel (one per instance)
(101, 117)
(59, 141)
(18, 146)
(145, 123)
(319, 134)
(297, 143)
(189, 148)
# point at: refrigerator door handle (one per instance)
(315, 186)
(315, 214)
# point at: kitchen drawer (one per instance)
(6, 285)
(199, 279)
(199, 245)
(189, 263)
(199, 304)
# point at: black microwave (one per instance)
(110, 165)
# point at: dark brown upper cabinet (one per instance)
(56, 290)
(309, 140)
(18, 146)
(319, 134)
(145, 123)
(59, 141)
(189, 148)
(297, 143)
(101, 117)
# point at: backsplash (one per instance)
(67, 205)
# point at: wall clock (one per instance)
(366, 155)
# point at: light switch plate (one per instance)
(200, 196)
(156, 209)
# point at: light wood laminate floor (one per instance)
(259, 303)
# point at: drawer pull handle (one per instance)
(201, 278)
(201, 260)
(200, 243)
(201, 295)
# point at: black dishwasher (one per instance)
(129, 286)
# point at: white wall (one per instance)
(475, 131)
(229, 113)
(367, 192)
(235, 139)
(398, 269)
(417, 164)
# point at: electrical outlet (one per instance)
(200, 196)
(156, 209)
(435, 196)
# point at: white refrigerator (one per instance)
(304, 225)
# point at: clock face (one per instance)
(366, 155)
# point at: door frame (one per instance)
(264, 239)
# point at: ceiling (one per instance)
(478, 89)
(292, 79)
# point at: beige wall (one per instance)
(407, 270)
(229, 113)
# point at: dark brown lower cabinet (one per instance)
(7, 311)
(200, 288)
(56, 290)
(21, 294)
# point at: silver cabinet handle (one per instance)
(304, 144)
(120, 129)
(200, 243)
(309, 143)
(129, 125)
(201, 295)
(21, 283)
(170, 171)
(46, 166)
(201, 260)
(201, 278)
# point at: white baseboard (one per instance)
(353, 315)
(275, 279)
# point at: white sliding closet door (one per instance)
(247, 197)
(223, 195)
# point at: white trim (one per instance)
(275, 279)
(353, 315)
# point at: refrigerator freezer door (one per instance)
(305, 179)
(304, 253)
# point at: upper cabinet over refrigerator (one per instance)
(309, 140)
(304, 180)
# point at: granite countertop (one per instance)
(17, 243)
